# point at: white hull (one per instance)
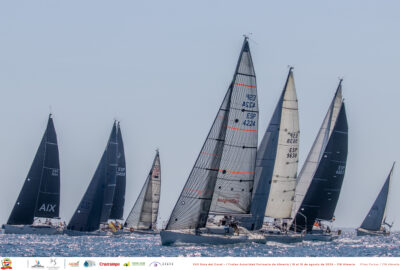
(79, 233)
(362, 232)
(30, 229)
(174, 237)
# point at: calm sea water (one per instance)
(147, 245)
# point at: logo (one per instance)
(53, 264)
(155, 264)
(234, 201)
(127, 264)
(37, 264)
(48, 207)
(109, 264)
(6, 263)
(138, 264)
(89, 263)
(73, 264)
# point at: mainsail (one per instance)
(377, 213)
(96, 204)
(145, 210)
(221, 181)
(321, 178)
(277, 160)
(117, 210)
(40, 194)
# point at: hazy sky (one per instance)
(162, 69)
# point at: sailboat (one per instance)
(374, 223)
(221, 181)
(320, 180)
(117, 210)
(276, 170)
(95, 207)
(143, 216)
(40, 195)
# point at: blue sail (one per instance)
(376, 214)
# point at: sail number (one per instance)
(294, 137)
(292, 152)
(249, 121)
(248, 104)
(340, 169)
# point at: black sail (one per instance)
(376, 215)
(323, 193)
(40, 194)
(96, 203)
(223, 175)
(117, 210)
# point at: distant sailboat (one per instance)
(117, 210)
(143, 217)
(276, 169)
(320, 180)
(221, 181)
(40, 194)
(96, 204)
(374, 223)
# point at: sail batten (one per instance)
(230, 147)
(40, 194)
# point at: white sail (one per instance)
(145, 211)
(233, 189)
(283, 182)
(307, 172)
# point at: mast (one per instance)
(117, 210)
(144, 213)
(40, 194)
(277, 160)
(96, 203)
(377, 214)
(321, 177)
(221, 180)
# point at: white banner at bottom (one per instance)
(273, 263)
